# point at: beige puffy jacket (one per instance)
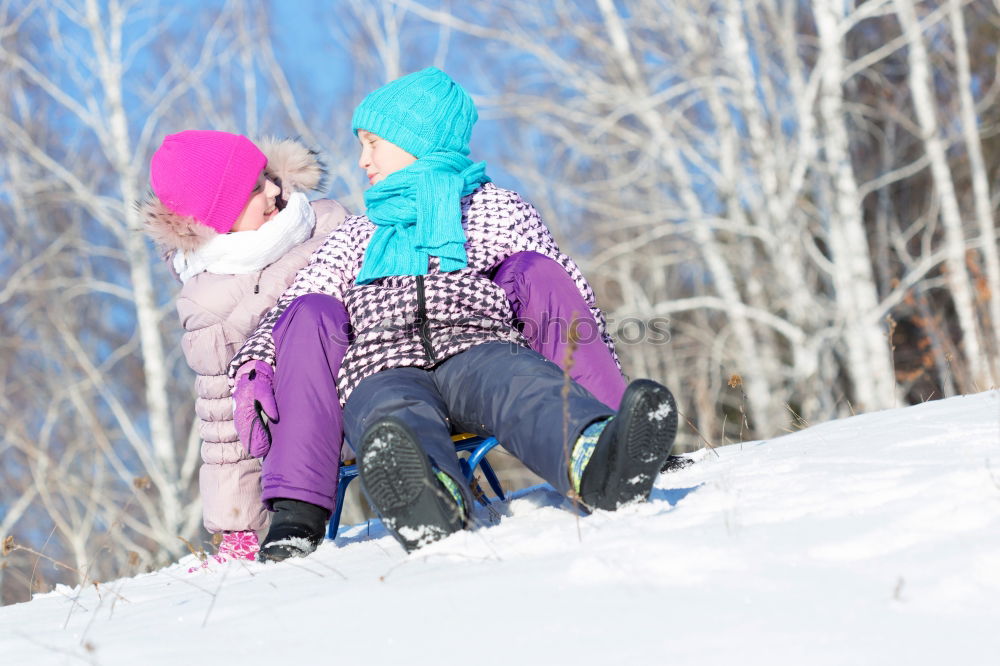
(218, 313)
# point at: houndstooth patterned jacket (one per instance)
(422, 320)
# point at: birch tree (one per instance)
(865, 344)
(951, 216)
(983, 208)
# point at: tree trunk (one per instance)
(865, 345)
(951, 217)
(980, 186)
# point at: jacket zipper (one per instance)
(423, 324)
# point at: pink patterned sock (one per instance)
(239, 545)
(235, 546)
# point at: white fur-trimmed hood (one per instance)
(291, 165)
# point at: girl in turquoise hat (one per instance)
(435, 344)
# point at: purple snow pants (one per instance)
(546, 301)
(311, 337)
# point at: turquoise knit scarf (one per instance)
(417, 215)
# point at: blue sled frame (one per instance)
(477, 447)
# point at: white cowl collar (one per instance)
(250, 251)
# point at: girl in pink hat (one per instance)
(232, 220)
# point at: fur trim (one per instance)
(170, 231)
(290, 164)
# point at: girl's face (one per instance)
(260, 208)
(381, 158)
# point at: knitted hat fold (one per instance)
(422, 113)
(206, 175)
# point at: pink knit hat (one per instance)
(206, 175)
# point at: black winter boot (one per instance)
(632, 448)
(403, 488)
(297, 528)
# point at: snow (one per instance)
(870, 540)
(661, 412)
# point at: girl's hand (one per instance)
(254, 406)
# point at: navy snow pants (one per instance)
(496, 388)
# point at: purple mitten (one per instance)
(254, 404)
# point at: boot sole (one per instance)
(647, 426)
(400, 484)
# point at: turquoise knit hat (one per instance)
(422, 113)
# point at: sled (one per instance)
(476, 446)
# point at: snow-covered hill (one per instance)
(871, 540)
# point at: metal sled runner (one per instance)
(477, 447)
